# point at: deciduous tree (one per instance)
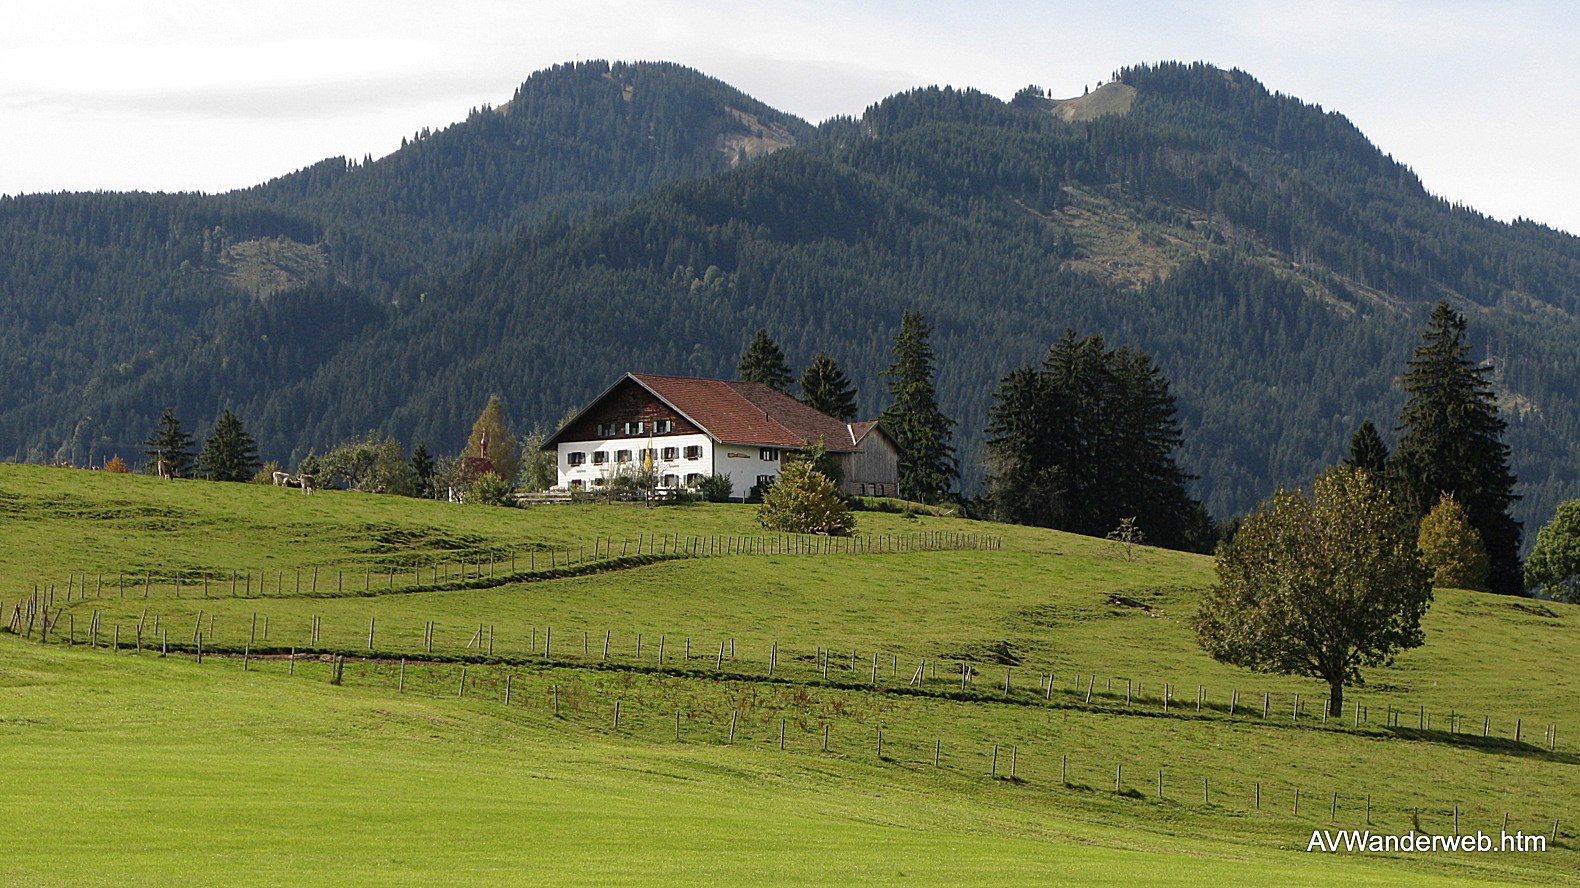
(1320, 585)
(503, 456)
(1451, 548)
(1554, 563)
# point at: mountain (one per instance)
(113, 306)
(1276, 264)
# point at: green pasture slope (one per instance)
(476, 741)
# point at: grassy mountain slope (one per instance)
(287, 777)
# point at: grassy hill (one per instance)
(495, 757)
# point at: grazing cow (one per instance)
(308, 484)
(282, 479)
(164, 470)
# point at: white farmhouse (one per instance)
(692, 428)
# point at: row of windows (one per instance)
(601, 457)
(640, 427)
(672, 480)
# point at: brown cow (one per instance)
(308, 484)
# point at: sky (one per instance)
(208, 96)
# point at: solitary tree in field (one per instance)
(229, 454)
(1451, 548)
(1554, 563)
(825, 387)
(172, 444)
(1320, 585)
(764, 362)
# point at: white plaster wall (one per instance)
(680, 466)
(743, 463)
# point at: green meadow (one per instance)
(975, 715)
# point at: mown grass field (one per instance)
(129, 766)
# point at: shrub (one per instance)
(489, 489)
(116, 465)
(265, 473)
(716, 488)
(804, 500)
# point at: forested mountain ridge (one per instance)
(1277, 265)
(115, 306)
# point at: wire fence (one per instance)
(1028, 764)
(853, 668)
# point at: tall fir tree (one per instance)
(1024, 485)
(928, 468)
(1087, 441)
(170, 442)
(423, 466)
(764, 362)
(1367, 451)
(1451, 441)
(825, 387)
(230, 453)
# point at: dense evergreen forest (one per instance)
(1274, 266)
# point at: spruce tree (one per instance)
(422, 465)
(928, 468)
(1086, 442)
(169, 442)
(764, 362)
(825, 387)
(230, 453)
(1023, 481)
(1451, 442)
(1367, 451)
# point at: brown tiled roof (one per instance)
(750, 413)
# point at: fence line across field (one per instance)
(1009, 763)
(438, 571)
(830, 667)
